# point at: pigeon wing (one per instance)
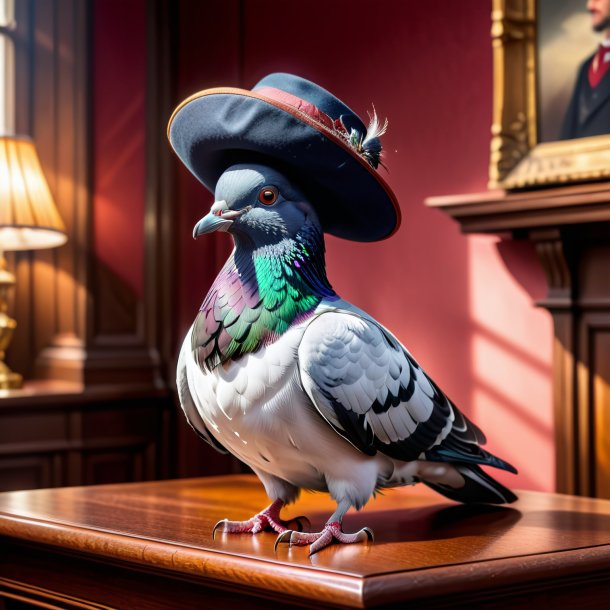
(373, 393)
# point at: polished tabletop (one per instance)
(423, 542)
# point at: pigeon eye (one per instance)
(268, 195)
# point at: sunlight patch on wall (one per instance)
(504, 370)
(518, 440)
(498, 303)
(511, 350)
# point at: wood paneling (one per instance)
(600, 389)
(160, 283)
(76, 439)
(26, 472)
(51, 285)
(77, 320)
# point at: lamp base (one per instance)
(8, 379)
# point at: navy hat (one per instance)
(303, 130)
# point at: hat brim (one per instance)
(216, 128)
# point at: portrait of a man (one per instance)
(573, 69)
(588, 113)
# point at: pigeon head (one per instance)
(259, 206)
(276, 275)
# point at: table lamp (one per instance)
(29, 220)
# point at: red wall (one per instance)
(119, 128)
(462, 305)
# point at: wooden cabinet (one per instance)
(62, 436)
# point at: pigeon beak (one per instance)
(220, 218)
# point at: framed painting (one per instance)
(551, 115)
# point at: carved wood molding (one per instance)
(513, 34)
(550, 250)
(568, 161)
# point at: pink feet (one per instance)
(266, 519)
(270, 519)
(319, 540)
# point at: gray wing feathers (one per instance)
(373, 393)
(364, 383)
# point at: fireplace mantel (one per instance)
(570, 227)
(502, 211)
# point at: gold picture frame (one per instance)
(517, 157)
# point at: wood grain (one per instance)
(425, 546)
(499, 211)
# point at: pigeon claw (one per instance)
(320, 540)
(369, 533)
(268, 519)
(221, 523)
(284, 537)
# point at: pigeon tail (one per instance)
(478, 488)
(468, 454)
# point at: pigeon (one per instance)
(305, 388)
(277, 369)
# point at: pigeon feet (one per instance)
(266, 519)
(320, 540)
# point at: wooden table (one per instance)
(149, 545)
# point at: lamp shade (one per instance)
(28, 215)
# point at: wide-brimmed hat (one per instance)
(302, 129)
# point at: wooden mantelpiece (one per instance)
(499, 211)
(570, 227)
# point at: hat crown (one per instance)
(316, 95)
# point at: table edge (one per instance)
(491, 573)
(303, 582)
(210, 566)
